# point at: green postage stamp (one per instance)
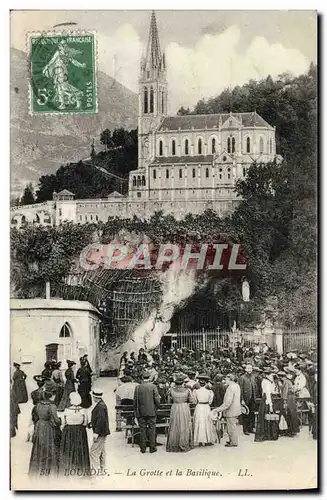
(62, 73)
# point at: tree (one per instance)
(28, 196)
(105, 139)
(183, 111)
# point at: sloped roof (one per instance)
(162, 160)
(115, 194)
(66, 192)
(201, 122)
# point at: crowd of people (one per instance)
(59, 419)
(233, 384)
(264, 391)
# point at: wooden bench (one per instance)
(163, 416)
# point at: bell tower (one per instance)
(152, 95)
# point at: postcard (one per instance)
(163, 219)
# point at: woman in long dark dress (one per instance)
(19, 385)
(46, 438)
(180, 432)
(14, 412)
(290, 407)
(69, 386)
(267, 428)
(59, 381)
(83, 376)
(74, 448)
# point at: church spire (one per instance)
(153, 52)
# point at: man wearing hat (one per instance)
(146, 401)
(100, 425)
(232, 408)
(247, 384)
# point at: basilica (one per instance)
(186, 164)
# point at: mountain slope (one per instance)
(42, 143)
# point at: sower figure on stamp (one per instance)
(231, 408)
(57, 71)
(100, 426)
(248, 396)
(146, 401)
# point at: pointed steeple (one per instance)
(153, 51)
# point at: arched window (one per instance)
(138, 180)
(233, 144)
(244, 171)
(213, 145)
(145, 101)
(207, 172)
(134, 181)
(154, 174)
(261, 145)
(193, 172)
(180, 173)
(248, 145)
(143, 180)
(186, 147)
(151, 100)
(220, 173)
(228, 175)
(167, 174)
(228, 145)
(160, 148)
(200, 146)
(173, 147)
(163, 101)
(37, 219)
(65, 331)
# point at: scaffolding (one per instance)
(124, 297)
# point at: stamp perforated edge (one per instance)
(52, 33)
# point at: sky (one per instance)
(206, 51)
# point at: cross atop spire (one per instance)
(154, 58)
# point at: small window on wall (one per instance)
(65, 331)
(244, 171)
(248, 145)
(151, 100)
(154, 174)
(228, 145)
(207, 172)
(193, 172)
(261, 145)
(167, 174)
(173, 147)
(96, 218)
(180, 173)
(160, 148)
(233, 144)
(270, 146)
(145, 101)
(60, 212)
(200, 146)
(143, 180)
(139, 195)
(91, 217)
(213, 146)
(186, 147)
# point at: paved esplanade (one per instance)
(286, 463)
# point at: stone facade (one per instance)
(186, 164)
(56, 329)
